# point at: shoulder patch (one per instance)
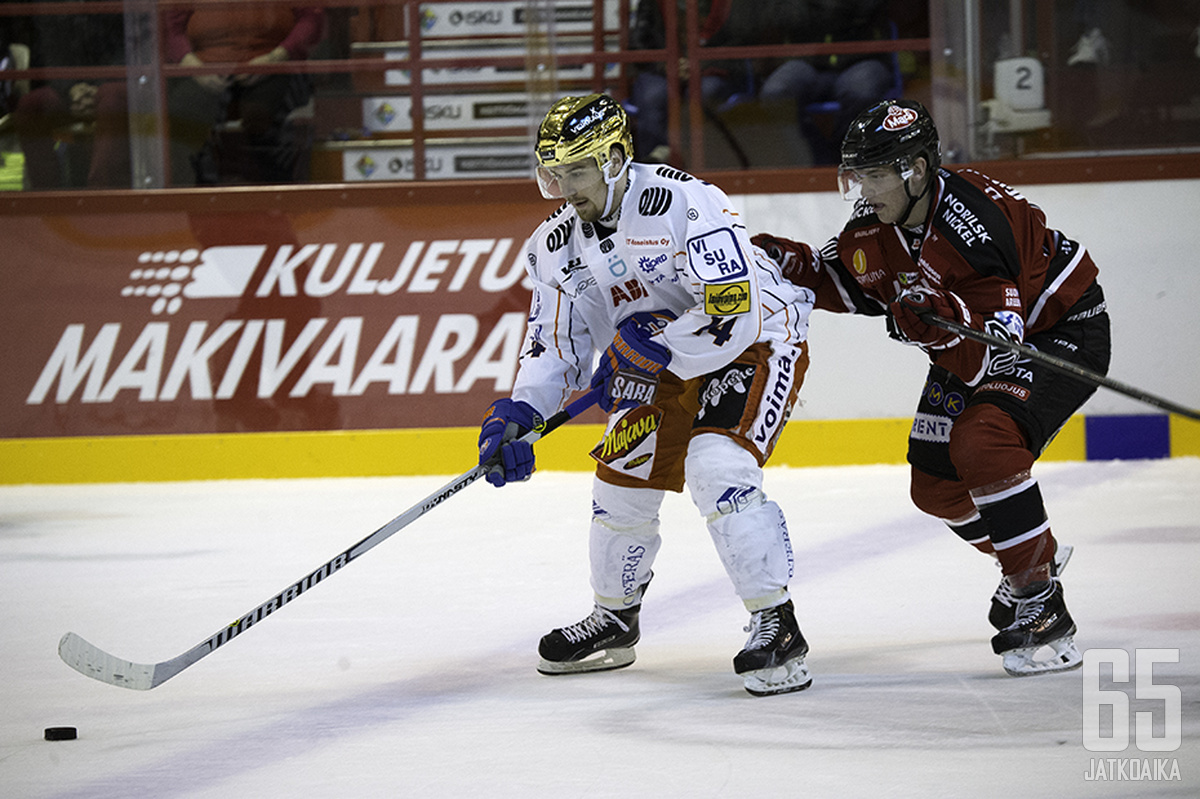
(715, 257)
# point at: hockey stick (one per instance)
(94, 662)
(1058, 364)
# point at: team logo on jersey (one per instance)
(899, 118)
(860, 262)
(558, 238)
(727, 299)
(654, 201)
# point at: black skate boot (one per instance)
(1042, 620)
(602, 641)
(1004, 601)
(773, 659)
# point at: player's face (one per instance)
(581, 184)
(887, 196)
(887, 189)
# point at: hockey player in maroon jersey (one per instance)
(970, 249)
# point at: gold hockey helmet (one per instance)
(577, 127)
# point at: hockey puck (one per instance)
(61, 734)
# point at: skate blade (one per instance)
(783, 679)
(604, 660)
(1022, 662)
(1062, 557)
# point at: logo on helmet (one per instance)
(899, 118)
(589, 118)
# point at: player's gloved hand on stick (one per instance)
(638, 359)
(507, 459)
(906, 323)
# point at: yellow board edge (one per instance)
(434, 451)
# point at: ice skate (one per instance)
(1004, 601)
(1042, 622)
(602, 641)
(773, 660)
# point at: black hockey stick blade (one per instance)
(91, 661)
(1059, 365)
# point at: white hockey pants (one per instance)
(749, 532)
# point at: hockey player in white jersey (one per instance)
(702, 350)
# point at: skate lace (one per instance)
(592, 625)
(763, 627)
(1004, 593)
(1030, 608)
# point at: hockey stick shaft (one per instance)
(1059, 365)
(94, 662)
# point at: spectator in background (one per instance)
(855, 81)
(95, 111)
(723, 23)
(254, 34)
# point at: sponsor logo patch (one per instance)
(727, 299)
(899, 118)
(628, 444)
(1020, 392)
(715, 257)
(927, 427)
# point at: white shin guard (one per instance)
(623, 542)
(749, 531)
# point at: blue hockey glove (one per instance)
(507, 459)
(628, 368)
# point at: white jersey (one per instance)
(679, 247)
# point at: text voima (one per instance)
(158, 365)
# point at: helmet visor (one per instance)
(856, 183)
(566, 180)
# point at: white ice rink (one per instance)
(411, 672)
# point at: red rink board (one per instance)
(191, 312)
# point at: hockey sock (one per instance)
(974, 530)
(1020, 531)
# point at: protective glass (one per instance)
(566, 180)
(872, 181)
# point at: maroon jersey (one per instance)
(982, 241)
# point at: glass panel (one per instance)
(150, 93)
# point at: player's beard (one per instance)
(587, 210)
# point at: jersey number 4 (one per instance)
(720, 329)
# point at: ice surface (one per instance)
(411, 673)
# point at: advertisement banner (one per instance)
(476, 160)
(156, 321)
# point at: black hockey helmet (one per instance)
(893, 131)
